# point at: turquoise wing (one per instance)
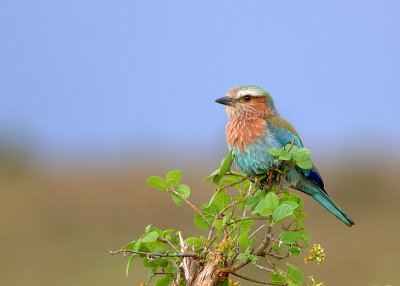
(284, 133)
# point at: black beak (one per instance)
(226, 101)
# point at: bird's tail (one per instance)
(324, 200)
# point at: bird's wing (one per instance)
(285, 133)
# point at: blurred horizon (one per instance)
(78, 76)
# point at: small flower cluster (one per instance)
(316, 253)
(314, 283)
(226, 244)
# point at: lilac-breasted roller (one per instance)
(254, 127)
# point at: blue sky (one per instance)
(106, 75)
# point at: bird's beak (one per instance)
(226, 101)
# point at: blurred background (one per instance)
(95, 96)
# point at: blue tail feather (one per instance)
(324, 200)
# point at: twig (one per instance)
(264, 268)
(254, 280)
(191, 205)
(247, 218)
(168, 242)
(259, 251)
(153, 254)
(254, 232)
(277, 255)
(208, 246)
(226, 225)
(236, 252)
(245, 207)
(233, 184)
(186, 261)
(212, 228)
(271, 237)
(241, 175)
(291, 145)
(229, 233)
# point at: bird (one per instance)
(254, 127)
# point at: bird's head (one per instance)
(247, 101)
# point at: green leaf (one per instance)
(230, 180)
(226, 164)
(177, 200)
(183, 190)
(305, 236)
(295, 273)
(245, 225)
(209, 211)
(242, 256)
(252, 202)
(274, 152)
(216, 172)
(289, 237)
(197, 242)
(277, 278)
(156, 182)
(216, 179)
(149, 263)
(305, 164)
(303, 159)
(150, 237)
(293, 148)
(292, 204)
(129, 264)
(299, 220)
(218, 224)
(220, 200)
(260, 207)
(167, 233)
(271, 201)
(294, 251)
(253, 258)
(164, 281)
(173, 178)
(200, 223)
(243, 240)
(284, 210)
(129, 246)
(285, 156)
(148, 227)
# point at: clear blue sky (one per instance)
(80, 75)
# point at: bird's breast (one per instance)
(243, 132)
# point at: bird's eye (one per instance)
(247, 97)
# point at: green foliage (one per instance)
(243, 216)
(298, 156)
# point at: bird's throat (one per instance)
(241, 132)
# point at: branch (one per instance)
(256, 281)
(247, 218)
(233, 184)
(168, 242)
(258, 229)
(218, 217)
(186, 261)
(259, 250)
(245, 207)
(153, 254)
(191, 205)
(264, 268)
(241, 175)
(278, 256)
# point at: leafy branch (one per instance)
(248, 221)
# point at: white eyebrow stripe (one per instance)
(240, 93)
